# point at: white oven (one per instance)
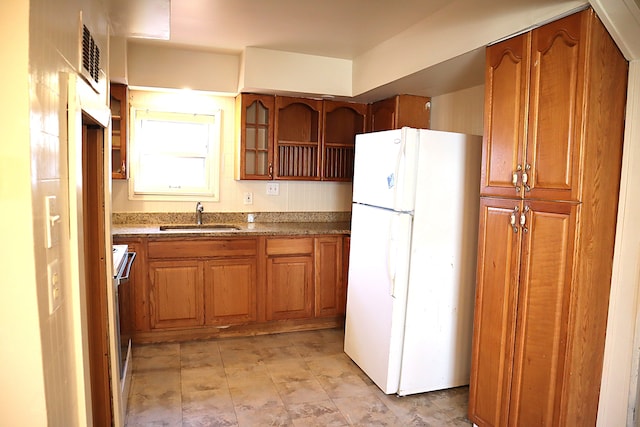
(122, 262)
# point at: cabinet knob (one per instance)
(512, 219)
(525, 177)
(514, 178)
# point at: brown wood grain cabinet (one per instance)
(202, 281)
(342, 121)
(399, 111)
(554, 121)
(187, 288)
(254, 135)
(230, 291)
(119, 104)
(293, 138)
(329, 283)
(176, 289)
(289, 289)
(298, 124)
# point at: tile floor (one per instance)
(292, 379)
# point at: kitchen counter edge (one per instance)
(244, 229)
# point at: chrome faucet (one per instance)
(199, 210)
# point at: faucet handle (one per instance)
(199, 207)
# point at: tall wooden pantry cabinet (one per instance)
(552, 150)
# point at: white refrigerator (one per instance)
(412, 260)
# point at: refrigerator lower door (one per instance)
(376, 295)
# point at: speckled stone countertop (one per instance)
(271, 223)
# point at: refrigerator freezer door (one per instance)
(376, 300)
(385, 169)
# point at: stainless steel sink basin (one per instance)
(202, 227)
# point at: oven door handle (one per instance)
(122, 275)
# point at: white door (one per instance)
(385, 169)
(376, 300)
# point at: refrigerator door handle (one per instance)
(397, 179)
(392, 254)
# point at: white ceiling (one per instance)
(335, 28)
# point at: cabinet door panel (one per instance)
(230, 291)
(383, 115)
(256, 127)
(494, 318)
(289, 287)
(556, 76)
(543, 311)
(329, 299)
(506, 92)
(176, 294)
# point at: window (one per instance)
(175, 155)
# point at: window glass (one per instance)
(175, 154)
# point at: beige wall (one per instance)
(460, 111)
(21, 359)
(36, 167)
(149, 65)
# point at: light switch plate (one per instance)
(54, 285)
(273, 188)
(52, 218)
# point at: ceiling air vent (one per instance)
(90, 56)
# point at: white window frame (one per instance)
(211, 190)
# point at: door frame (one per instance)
(85, 106)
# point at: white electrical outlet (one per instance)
(248, 198)
(273, 188)
(55, 290)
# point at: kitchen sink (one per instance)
(201, 227)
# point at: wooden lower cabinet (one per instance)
(201, 287)
(522, 354)
(230, 291)
(289, 290)
(289, 287)
(329, 298)
(176, 294)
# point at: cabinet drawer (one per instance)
(202, 248)
(289, 246)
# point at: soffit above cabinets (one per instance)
(145, 19)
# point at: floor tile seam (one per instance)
(226, 380)
(331, 398)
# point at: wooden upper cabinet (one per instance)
(399, 111)
(506, 96)
(119, 105)
(255, 126)
(553, 153)
(533, 122)
(298, 122)
(342, 122)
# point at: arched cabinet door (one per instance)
(506, 95)
(255, 128)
